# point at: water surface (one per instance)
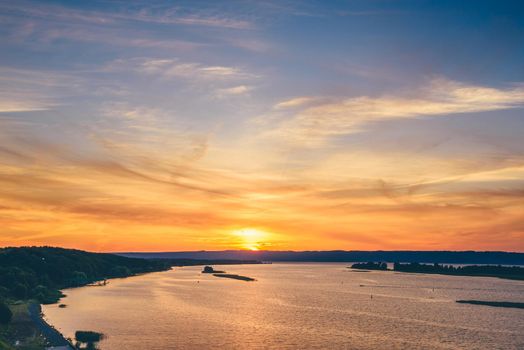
(295, 306)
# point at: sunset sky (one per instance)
(301, 125)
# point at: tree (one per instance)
(20, 291)
(208, 269)
(5, 313)
(120, 271)
(88, 337)
(79, 278)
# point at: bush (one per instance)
(20, 291)
(5, 313)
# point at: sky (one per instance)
(277, 125)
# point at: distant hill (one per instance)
(450, 257)
(40, 272)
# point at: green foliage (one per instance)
(510, 272)
(4, 346)
(79, 278)
(88, 336)
(40, 272)
(19, 291)
(120, 271)
(5, 313)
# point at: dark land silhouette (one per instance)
(210, 269)
(508, 272)
(493, 303)
(235, 277)
(216, 273)
(448, 257)
(87, 339)
(370, 266)
(40, 272)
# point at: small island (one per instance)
(209, 269)
(235, 277)
(370, 266)
(223, 274)
(509, 304)
(89, 338)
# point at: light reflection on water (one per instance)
(295, 306)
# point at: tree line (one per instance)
(40, 272)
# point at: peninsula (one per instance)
(507, 272)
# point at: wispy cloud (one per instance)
(168, 15)
(33, 90)
(294, 102)
(441, 97)
(173, 67)
(234, 91)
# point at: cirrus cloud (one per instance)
(318, 119)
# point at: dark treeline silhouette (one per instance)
(5, 313)
(89, 338)
(40, 272)
(449, 257)
(370, 266)
(234, 276)
(509, 272)
(509, 304)
(210, 269)
(197, 262)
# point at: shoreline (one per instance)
(53, 337)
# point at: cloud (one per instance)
(178, 68)
(314, 124)
(174, 67)
(23, 90)
(294, 102)
(234, 91)
(109, 36)
(167, 15)
(23, 103)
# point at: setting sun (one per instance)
(250, 238)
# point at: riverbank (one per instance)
(29, 331)
(53, 337)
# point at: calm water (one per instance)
(295, 306)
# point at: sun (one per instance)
(250, 238)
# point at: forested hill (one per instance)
(39, 272)
(448, 257)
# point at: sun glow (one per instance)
(250, 238)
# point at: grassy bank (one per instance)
(21, 330)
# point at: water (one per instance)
(295, 306)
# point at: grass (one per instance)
(21, 329)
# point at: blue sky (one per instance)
(187, 121)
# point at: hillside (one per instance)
(40, 272)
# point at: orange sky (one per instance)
(260, 127)
(133, 199)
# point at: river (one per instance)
(294, 306)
